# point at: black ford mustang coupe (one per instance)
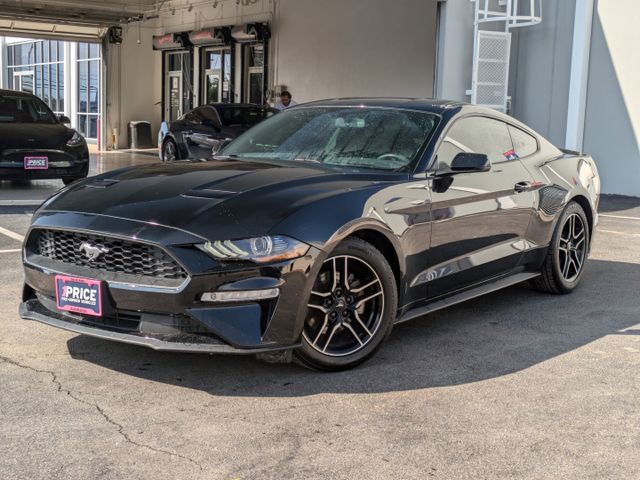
(35, 144)
(313, 232)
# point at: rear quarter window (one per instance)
(524, 144)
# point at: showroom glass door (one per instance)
(23, 81)
(178, 95)
(255, 73)
(175, 95)
(217, 75)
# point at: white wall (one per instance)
(338, 48)
(134, 83)
(612, 123)
(455, 50)
(541, 67)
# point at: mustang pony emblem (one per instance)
(92, 251)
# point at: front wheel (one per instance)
(564, 265)
(351, 308)
(169, 151)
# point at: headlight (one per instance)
(259, 249)
(75, 140)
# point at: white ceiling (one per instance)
(90, 13)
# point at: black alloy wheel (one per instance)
(568, 251)
(169, 151)
(351, 308)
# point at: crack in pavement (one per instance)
(100, 410)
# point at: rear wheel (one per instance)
(169, 151)
(564, 265)
(351, 308)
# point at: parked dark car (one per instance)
(35, 144)
(314, 232)
(204, 130)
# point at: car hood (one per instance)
(216, 199)
(33, 135)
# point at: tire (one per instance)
(346, 323)
(564, 264)
(170, 151)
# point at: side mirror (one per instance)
(220, 145)
(64, 119)
(470, 162)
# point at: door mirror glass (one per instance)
(465, 162)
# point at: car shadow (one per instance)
(617, 203)
(492, 336)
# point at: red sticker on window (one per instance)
(511, 155)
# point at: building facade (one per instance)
(66, 75)
(572, 77)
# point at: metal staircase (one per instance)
(494, 20)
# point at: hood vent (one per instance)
(209, 193)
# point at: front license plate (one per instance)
(79, 295)
(36, 163)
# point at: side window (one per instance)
(523, 143)
(211, 116)
(476, 135)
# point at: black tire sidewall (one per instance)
(355, 247)
(564, 285)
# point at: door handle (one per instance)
(521, 187)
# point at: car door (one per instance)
(479, 219)
(203, 132)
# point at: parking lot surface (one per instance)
(516, 384)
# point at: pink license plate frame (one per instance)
(79, 295)
(36, 163)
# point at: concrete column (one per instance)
(579, 74)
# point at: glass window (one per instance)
(61, 87)
(53, 46)
(524, 144)
(82, 86)
(476, 135)
(93, 126)
(39, 87)
(45, 83)
(38, 47)
(83, 51)
(93, 86)
(94, 50)
(346, 137)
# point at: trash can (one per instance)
(140, 134)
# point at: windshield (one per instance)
(357, 137)
(21, 109)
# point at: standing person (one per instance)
(285, 101)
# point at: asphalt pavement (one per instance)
(516, 384)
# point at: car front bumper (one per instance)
(175, 318)
(62, 164)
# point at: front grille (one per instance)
(118, 256)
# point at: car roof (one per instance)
(426, 104)
(15, 93)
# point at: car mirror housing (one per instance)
(64, 119)
(470, 162)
